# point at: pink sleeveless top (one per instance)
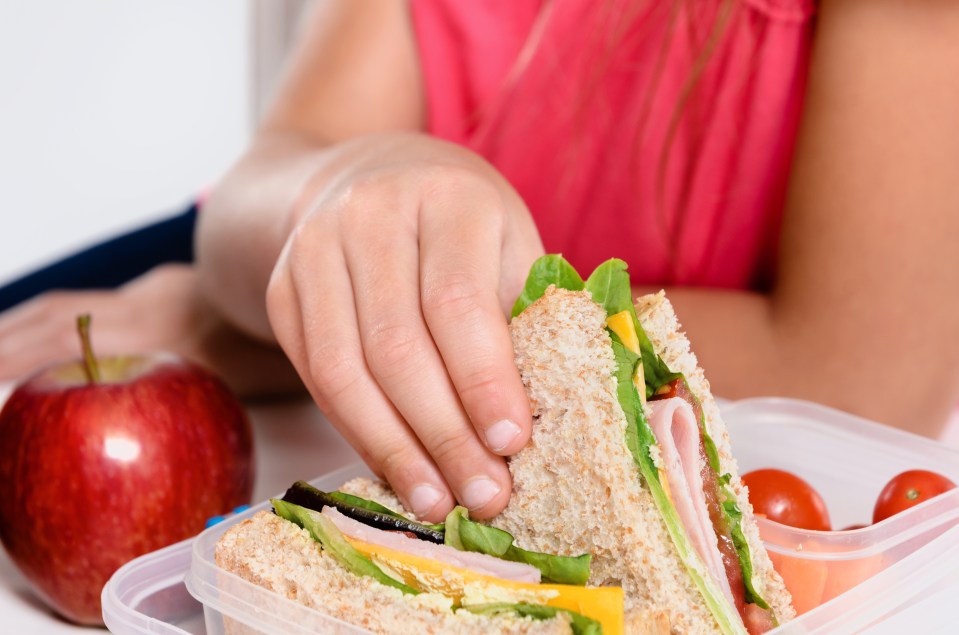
(598, 116)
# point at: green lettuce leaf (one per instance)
(655, 372)
(468, 535)
(626, 362)
(734, 517)
(325, 532)
(579, 624)
(609, 286)
(547, 270)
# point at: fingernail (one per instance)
(423, 499)
(501, 434)
(479, 492)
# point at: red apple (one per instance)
(102, 461)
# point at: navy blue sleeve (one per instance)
(111, 263)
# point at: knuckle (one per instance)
(304, 236)
(365, 189)
(450, 447)
(368, 196)
(393, 347)
(334, 369)
(458, 181)
(396, 460)
(479, 387)
(456, 176)
(451, 295)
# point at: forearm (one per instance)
(245, 223)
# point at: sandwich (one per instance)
(357, 557)
(629, 448)
(627, 512)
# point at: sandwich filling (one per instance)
(476, 567)
(677, 433)
(667, 437)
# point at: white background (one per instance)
(113, 113)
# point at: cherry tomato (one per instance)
(907, 490)
(787, 499)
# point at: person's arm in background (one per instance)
(161, 310)
(367, 249)
(865, 312)
(143, 296)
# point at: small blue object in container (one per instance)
(218, 519)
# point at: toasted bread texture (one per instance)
(277, 555)
(576, 486)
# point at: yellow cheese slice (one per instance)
(622, 325)
(603, 604)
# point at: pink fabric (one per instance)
(582, 130)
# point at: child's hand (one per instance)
(391, 298)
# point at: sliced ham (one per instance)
(677, 434)
(478, 563)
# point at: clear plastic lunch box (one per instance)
(900, 575)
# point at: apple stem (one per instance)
(90, 366)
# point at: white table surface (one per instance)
(292, 441)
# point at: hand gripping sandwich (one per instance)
(627, 514)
